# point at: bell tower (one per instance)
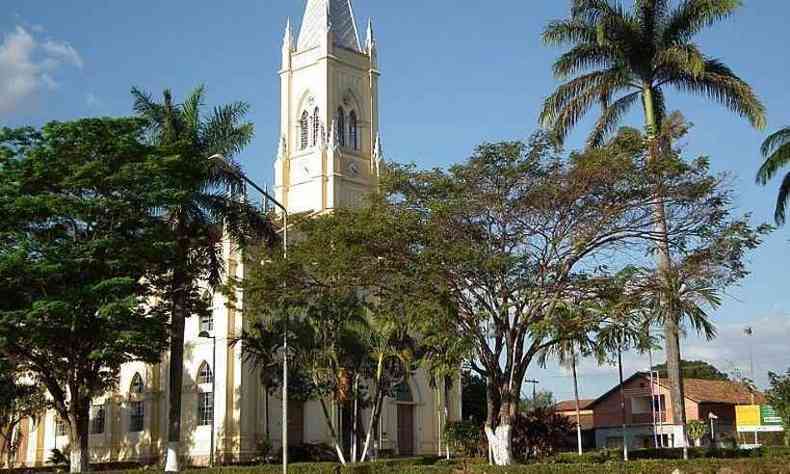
(330, 149)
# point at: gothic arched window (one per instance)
(353, 131)
(403, 393)
(205, 376)
(137, 385)
(304, 129)
(316, 126)
(340, 131)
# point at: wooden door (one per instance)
(295, 423)
(406, 430)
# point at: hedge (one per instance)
(698, 466)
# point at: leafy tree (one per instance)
(341, 291)
(80, 252)
(697, 430)
(695, 369)
(619, 58)
(543, 399)
(517, 231)
(779, 398)
(209, 208)
(776, 151)
(19, 400)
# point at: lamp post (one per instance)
(206, 335)
(224, 163)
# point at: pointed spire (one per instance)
(288, 39)
(378, 155)
(323, 16)
(370, 42)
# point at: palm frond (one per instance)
(572, 100)
(652, 14)
(191, 109)
(774, 141)
(777, 160)
(570, 31)
(694, 15)
(585, 57)
(684, 57)
(720, 83)
(224, 133)
(610, 118)
(781, 201)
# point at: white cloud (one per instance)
(27, 66)
(60, 50)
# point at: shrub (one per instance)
(540, 433)
(464, 438)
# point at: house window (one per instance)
(136, 417)
(97, 419)
(340, 131)
(352, 130)
(205, 376)
(205, 408)
(207, 322)
(304, 129)
(316, 126)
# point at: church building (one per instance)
(329, 157)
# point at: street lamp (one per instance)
(225, 164)
(206, 335)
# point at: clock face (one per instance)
(353, 168)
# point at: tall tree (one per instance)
(514, 231)
(80, 249)
(341, 289)
(210, 208)
(622, 57)
(776, 151)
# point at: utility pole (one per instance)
(534, 389)
(749, 332)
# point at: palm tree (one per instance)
(776, 151)
(619, 58)
(206, 208)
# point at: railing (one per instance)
(647, 418)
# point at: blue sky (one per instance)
(455, 74)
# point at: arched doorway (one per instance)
(405, 403)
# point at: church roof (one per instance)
(322, 15)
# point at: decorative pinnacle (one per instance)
(370, 43)
(288, 39)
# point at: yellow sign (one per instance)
(747, 415)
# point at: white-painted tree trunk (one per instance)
(171, 459)
(501, 444)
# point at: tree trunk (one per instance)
(266, 412)
(622, 402)
(180, 281)
(500, 436)
(79, 414)
(447, 414)
(578, 408)
(671, 329)
(333, 432)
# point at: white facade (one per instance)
(329, 156)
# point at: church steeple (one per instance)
(329, 153)
(324, 16)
